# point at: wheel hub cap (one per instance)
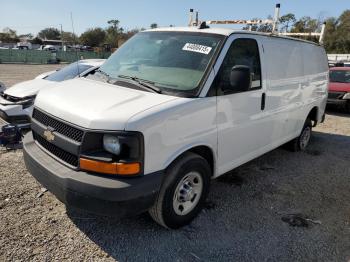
(187, 193)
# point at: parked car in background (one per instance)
(339, 87)
(51, 48)
(87, 48)
(24, 45)
(16, 103)
(170, 110)
(2, 87)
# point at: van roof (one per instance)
(223, 31)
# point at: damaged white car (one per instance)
(16, 103)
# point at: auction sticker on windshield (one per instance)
(197, 48)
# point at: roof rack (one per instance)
(319, 35)
(274, 22)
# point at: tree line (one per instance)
(113, 35)
(337, 32)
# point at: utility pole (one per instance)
(61, 37)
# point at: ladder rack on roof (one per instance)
(274, 22)
(247, 22)
(320, 35)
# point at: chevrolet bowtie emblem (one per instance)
(49, 136)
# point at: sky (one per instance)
(31, 16)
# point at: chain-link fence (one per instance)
(44, 57)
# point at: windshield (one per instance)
(68, 72)
(340, 76)
(172, 61)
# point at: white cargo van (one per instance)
(169, 111)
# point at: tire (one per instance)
(301, 142)
(183, 192)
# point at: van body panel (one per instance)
(96, 105)
(240, 118)
(175, 127)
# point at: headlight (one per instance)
(27, 102)
(346, 96)
(115, 153)
(111, 144)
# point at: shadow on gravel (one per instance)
(281, 206)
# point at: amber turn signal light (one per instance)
(126, 169)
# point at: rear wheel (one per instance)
(301, 142)
(183, 192)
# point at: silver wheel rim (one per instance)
(305, 137)
(188, 193)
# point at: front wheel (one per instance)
(183, 192)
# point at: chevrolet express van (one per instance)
(169, 111)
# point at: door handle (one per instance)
(263, 100)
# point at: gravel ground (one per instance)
(245, 217)
(11, 74)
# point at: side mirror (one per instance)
(240, 78)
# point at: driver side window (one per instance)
(242, 52)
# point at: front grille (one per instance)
(335, 95)
(58, 126)
(56, 151)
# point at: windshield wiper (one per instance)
(146, 84)
(105, 75)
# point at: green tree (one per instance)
(267, 28)
(29, 36)
(306, 24)
(342, 33)
(286, 21)
(113, 33)
(36, 41)
(10, 32)
(252, 27)
(9, 36)
(93, 37)
(69, 38)
(330, 35)
(50, 33)
(154, 25)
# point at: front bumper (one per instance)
(93, 193)
(15, 119)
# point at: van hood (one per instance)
(96, 105)
(339, 87)
(28, 88)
